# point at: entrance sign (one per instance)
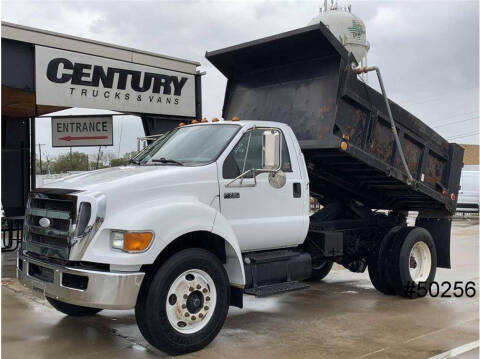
(82, 131)
(71, 79)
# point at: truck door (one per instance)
(261, 215)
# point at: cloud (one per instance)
(426, 50)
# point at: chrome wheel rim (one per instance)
(420, 262)
(191, 300)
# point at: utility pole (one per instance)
(40, 154)
(48, 164)
(98, 157)
(71, 158)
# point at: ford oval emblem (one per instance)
(44, 222)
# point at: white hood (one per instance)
(142, 181)
(96, 180)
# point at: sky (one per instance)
(428, 51)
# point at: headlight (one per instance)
(132, 242)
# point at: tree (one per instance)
(123, 160)
(93, 165)
(77, 161)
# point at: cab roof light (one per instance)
(181, 124)
(235, 118)
(204, 120)
(194, 122)
(215, 119)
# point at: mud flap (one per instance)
(439, 227)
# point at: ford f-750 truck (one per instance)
(212, 211)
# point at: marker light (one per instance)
(235, 118)
(131, 241)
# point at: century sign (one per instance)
(70, 79)
(82, 131)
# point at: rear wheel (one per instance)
(412, 261)
(183, 305)
(71, 309)
(377, 263)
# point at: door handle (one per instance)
(297, 190)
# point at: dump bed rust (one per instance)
(304, 78)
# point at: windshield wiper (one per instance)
(134, 161)
(167, 160)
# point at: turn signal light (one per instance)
(137, 241)
(131, 241)
(235, 118)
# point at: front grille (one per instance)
(56, 223)
(54, 239)
(52, 204)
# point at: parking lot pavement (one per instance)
(341, 317)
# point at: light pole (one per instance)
(40, 155)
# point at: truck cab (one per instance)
(92, 239)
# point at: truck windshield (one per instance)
(188, 146)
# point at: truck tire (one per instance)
(182, 306)
(71, 309)
(377, 263)
(412, 260)
(320, 271)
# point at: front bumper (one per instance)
(106, 290)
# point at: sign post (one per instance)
(80, 131)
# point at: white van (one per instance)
(468, 196)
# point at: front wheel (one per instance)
(183, 305)
(71, 309)
(320, 270)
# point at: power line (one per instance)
(452, 123)
(434, 98)
(463, 135)
(461, 114)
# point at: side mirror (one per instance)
(272, 149)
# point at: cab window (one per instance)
(233, 165)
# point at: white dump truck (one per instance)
(213, 211)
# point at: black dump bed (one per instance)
(304, 78)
